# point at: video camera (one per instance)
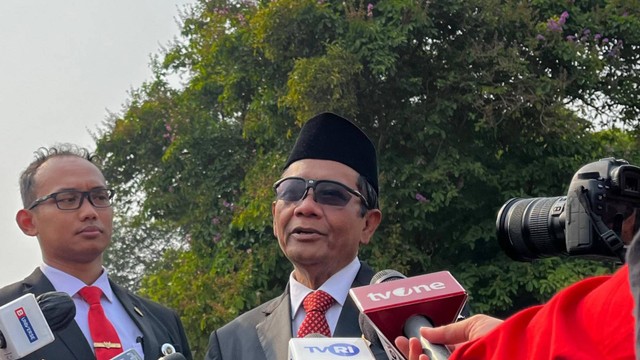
(597, 219)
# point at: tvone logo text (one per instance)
(406, 291)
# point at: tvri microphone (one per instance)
(27, 323)
(394, 305)
(320, 347)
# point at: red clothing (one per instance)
(592, 319)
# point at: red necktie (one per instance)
(316, 305)
(105, 338)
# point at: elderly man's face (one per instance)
(319, 238)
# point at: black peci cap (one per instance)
(328, 136)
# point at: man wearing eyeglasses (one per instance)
(67, 206)
(325, 207)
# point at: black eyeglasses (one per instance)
(73, 199)
(326, 192)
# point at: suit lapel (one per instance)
(275, 331)
(72, 336)
(74, 340)
(350, 315)
(138, 314)
(348, 324)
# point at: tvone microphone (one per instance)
(370, 333)
(412, 329)
(27, 323)
(320, 347)
(396, 305)
(415, 322)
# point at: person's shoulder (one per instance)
(259, 311)
(153, 305)
(239, 337)
(249, 319)
(11, 292)
(147, 304)
(19, 288)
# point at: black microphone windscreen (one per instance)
(386, 275)
(58, 309)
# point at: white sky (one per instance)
(63, 65)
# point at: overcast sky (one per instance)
(63, 65)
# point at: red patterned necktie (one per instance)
(316, 305)
(105, 338)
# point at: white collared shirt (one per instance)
(128, 332)
(337, 286)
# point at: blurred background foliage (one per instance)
(469, 103)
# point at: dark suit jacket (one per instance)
(159, 325)
(263, 333)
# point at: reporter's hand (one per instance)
(458, 333)
(410, 348)
(452, 335)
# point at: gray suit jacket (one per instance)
(263, 333)
(159, 325)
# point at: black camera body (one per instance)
(597, 219)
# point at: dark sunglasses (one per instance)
(326, 192)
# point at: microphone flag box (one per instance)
(329, 348)
(437, 296)
(24, 327)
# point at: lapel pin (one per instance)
(167, 349)
(135, 308)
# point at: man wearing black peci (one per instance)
(325, 207)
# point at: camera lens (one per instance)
(532, 228)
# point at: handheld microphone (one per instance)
(395, 305)
(174, 356)
(130, 354)
(320, 347)
(413, 324)
(412, 329)
(170, 353)
(27, 323)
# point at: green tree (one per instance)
(469, 103)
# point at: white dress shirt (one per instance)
(337, 286)
(128, 332)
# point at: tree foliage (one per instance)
(469, 103)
